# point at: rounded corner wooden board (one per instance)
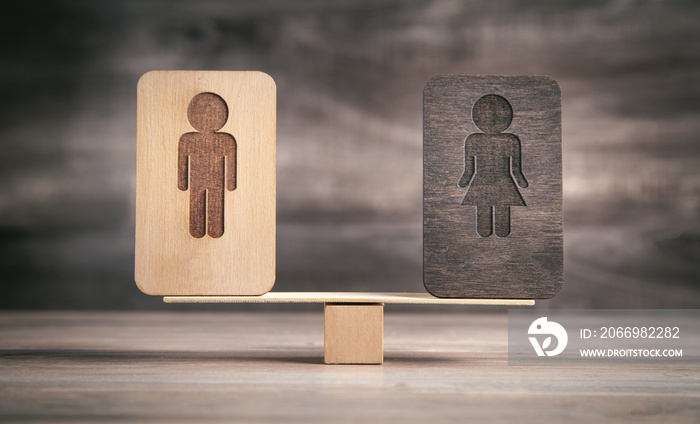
(492, 187)
(205, 183)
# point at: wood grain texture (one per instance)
(165, 367)
(353, 334)
(492, 187)
(345, 297)
(173, 254)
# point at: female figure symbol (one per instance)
(492, 166)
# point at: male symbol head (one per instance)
(492, 114)
(207, 112)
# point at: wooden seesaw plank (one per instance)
(346, 297)
(354, 321)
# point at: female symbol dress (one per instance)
(492, 183)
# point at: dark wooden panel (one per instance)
(492, 187)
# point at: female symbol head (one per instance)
(207, 112)
(492, 114)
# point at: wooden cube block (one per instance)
(205, 183)
(354, 333)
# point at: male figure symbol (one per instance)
(207, 163)
(491, 162)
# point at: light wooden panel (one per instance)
(170, 261)
(492, 144)
(345, 297)
(354, 334)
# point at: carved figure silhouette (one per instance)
(492, 166)
(207, 164)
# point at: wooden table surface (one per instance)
(267, 367)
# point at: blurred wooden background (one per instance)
(350, 76)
